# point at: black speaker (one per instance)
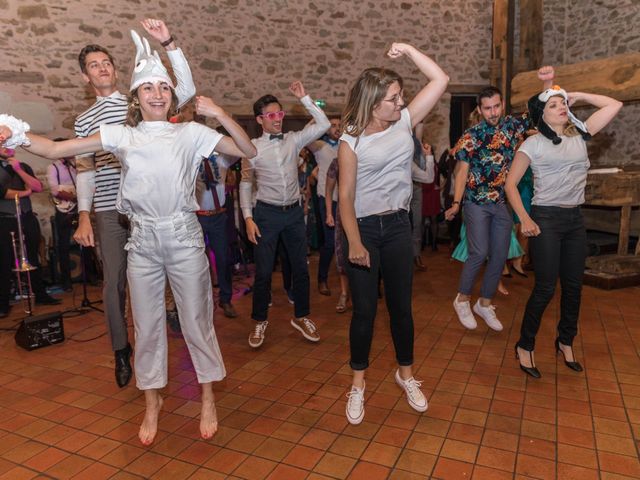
(40, 331)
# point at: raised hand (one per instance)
(206, 106)
(397, 50)
(546, 74)
(156, 28)
(297, 89)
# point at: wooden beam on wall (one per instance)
(617, 77)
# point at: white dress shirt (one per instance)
(275, 167)
(61, 176)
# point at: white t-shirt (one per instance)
(324, 154)
(160, 163)
(559, 171)
(383, 178)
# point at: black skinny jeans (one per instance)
(388, 241)
(559, 251)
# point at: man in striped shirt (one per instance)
(98, 180)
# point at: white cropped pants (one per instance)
(171, 247)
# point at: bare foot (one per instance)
(149, 427)
(502, 289)
(208, 419)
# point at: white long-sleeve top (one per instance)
(424, 176)
(275, 167)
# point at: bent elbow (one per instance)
(251, 152)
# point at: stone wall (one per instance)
(241, 49)
(238, 50)
(578, 30)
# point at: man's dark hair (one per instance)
(488, 93)
(82, 58)
(263, 102)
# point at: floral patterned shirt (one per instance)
(489, 151)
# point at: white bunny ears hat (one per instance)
(149, 67)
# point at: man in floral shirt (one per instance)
(484, 155)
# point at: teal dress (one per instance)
(525, 187)
(461, 252)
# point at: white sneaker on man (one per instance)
(355, 405)
(488, 314)
(415, 397)
(463, 309)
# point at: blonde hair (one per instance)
(570, 130)
(366, 94)
(134, 115)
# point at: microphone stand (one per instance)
(86, 303)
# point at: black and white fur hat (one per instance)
(536, 106)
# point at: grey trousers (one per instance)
(113, 232)
(173, 248)
(416, 219)
(488, 235)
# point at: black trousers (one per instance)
(31, 230)
(558, 252)
(388, 241)
(64, 227)
(276, 223)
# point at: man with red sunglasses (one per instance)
(278, 213)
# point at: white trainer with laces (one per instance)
(415, 397)
(355, 405)
(256, 337)
(488, 314)
(463, 309)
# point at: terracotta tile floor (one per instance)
(281, 407)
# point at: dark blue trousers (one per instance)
(215, 229)
(277, 223)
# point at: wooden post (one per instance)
(623, 239)
(531, 38)
(500, 70)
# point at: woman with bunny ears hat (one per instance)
(160, 163)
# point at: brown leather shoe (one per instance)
(228, 310)
(323, 289)
(417, 261)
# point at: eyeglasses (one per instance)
(273, 115)
(396, 99)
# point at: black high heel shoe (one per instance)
(575, 366)
(533, 371)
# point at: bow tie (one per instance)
(278, 136)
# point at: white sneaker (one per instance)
(488, 314)
(355, 405)
(415, 397)
(463, 309)
(256, 337)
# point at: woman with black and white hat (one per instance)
(559, 161)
